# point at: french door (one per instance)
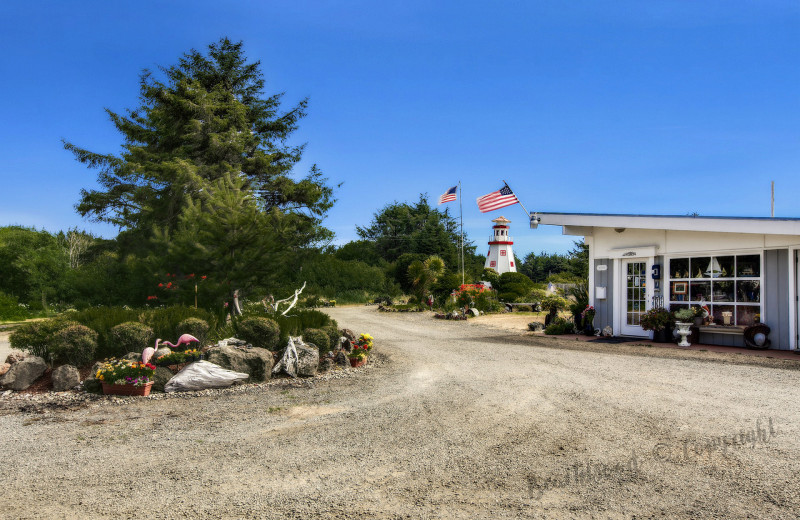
(635, 296)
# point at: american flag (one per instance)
(497, 199)
(448, 196)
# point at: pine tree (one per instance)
(206, 120)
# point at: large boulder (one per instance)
(307, 360)
(255, 362)
(23, 373)
(65, 377)
(201, 375)
(133, 356)
(161, 377)
(4, 368)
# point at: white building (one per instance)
(744, 269)
(501, 256)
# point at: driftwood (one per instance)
(274, 306)
(288, 362)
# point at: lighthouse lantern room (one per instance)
(501, 256)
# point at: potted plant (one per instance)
(661, 322)
(361, 348)
(588, 320)
(123, 377)
(577, 314)
(684, 317)
(700, 315)
(552, 304)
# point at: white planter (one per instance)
(683, 330)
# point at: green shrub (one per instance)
(102, 320)
(261, 332)
(559, 326)
(11, 309)
(196, 327)
(165, 320)
(332, 331)
(131, 336)
(74, 345)
(319, 338)
(37, 337)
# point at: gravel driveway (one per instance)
(454, 420)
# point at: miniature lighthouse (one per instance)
(501, 257)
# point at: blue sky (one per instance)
(667, 107)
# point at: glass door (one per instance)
(634, 299)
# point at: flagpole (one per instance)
(518, 201)
(461, 217)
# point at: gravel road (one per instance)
(453, 420)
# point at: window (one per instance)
(729, 284)
(492, 263)
(503, 252)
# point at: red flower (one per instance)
(203, 277)
(161, 285)
(189, 276)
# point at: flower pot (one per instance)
(589, 329)
(357, 362)
(698, 321)
(110, 389)
(684, 330)
(662, 336)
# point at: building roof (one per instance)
(502, 220)
(757, 225)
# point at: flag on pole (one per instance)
(497, 199)
(448, 196)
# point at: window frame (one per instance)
(668, 279)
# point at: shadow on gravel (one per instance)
(634, 349)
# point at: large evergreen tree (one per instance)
(206, 119)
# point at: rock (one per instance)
(4, 368)
(91, 383)
(341, 359)
(307, 360)
(162, 351)
(349, 334)
(132, 356)
(475, 312)
(23, 373)
(255, 362)
(65, 377)
(161, 377)
(231, 342)
(326, 364)
(345, 343)
(15, 357)
(201, 375)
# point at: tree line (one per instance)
(208, 203)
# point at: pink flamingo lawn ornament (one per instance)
(185, 339)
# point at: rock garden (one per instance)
(120, 351)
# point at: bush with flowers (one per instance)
(176, 357)
(124, 372)
(361, 347)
